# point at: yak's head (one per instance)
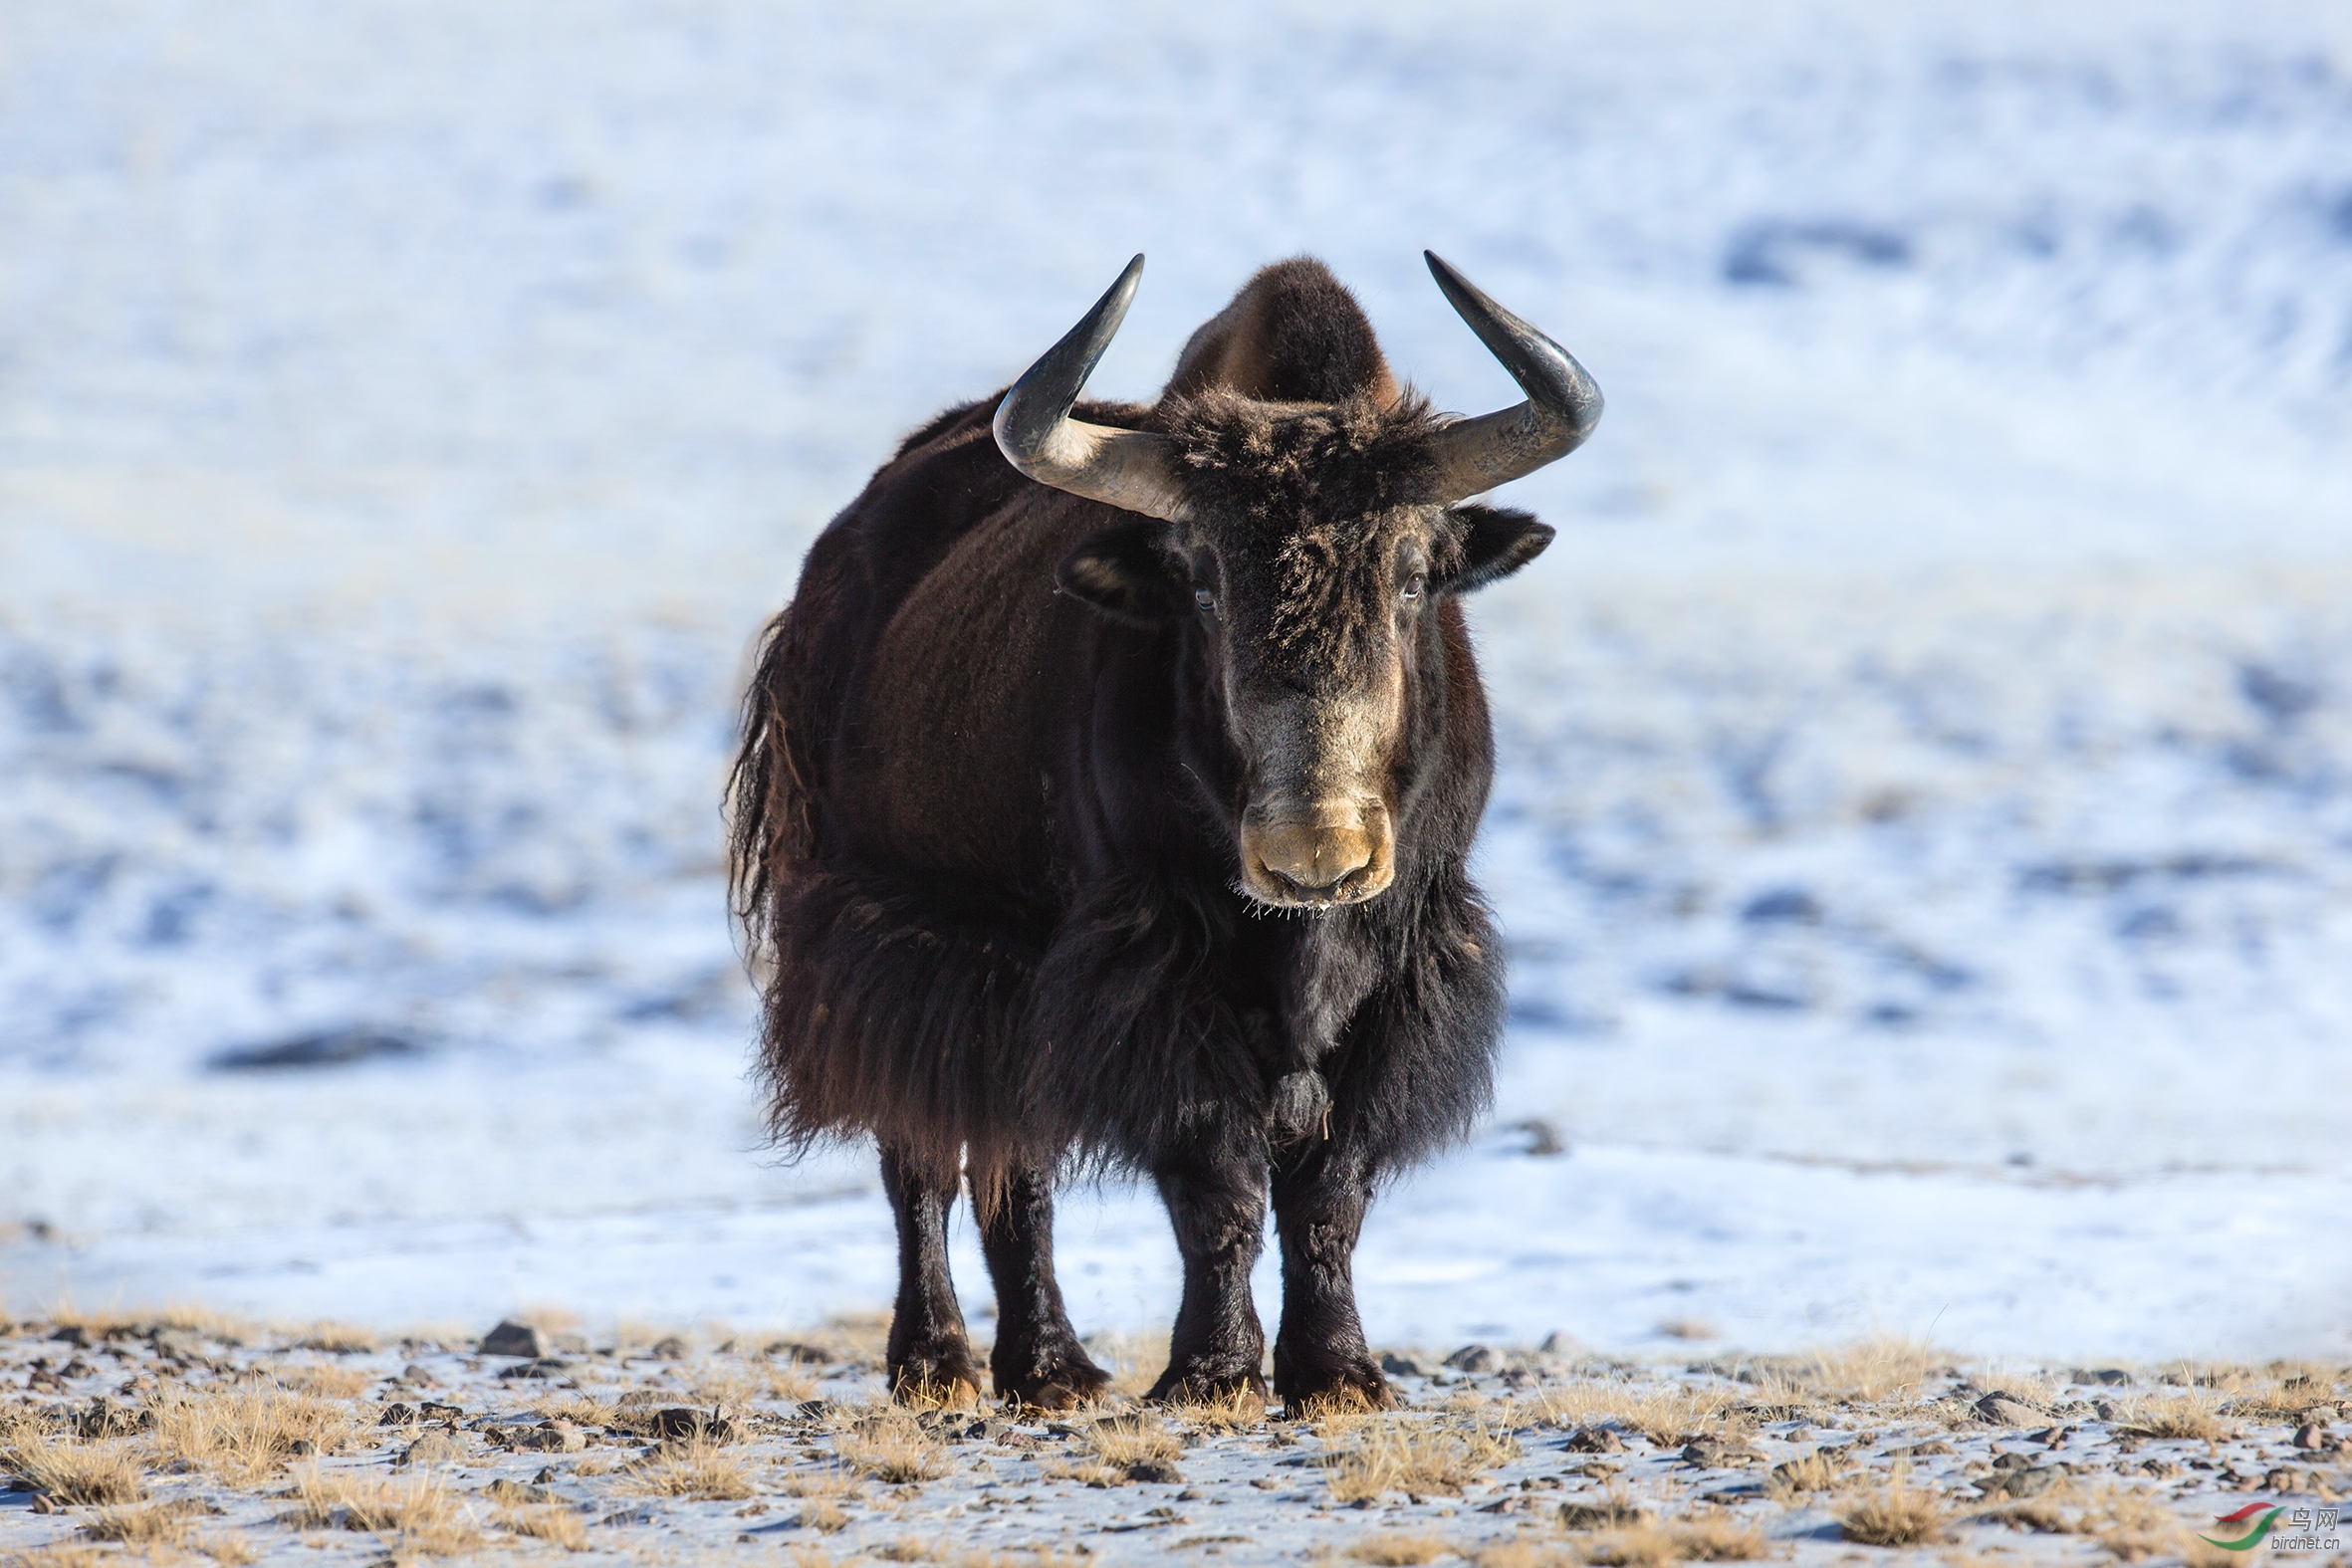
(1306, 520)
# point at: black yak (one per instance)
(1104, 802)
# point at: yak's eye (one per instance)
(1414, 585)
(1205, 599)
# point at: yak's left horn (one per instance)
(1135, 470)
(1563, 402)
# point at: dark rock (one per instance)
(398, 1416)
(2021, 1482)
(511, 1338)
(679, 1421)
(2007, 1410)
(1157, 1472)
(328, 1049)
(2106, 1377)
(1544, 1139)
(1714, 1453)
(441, 1446)
(545, 1367)
(671, 1349)
(1397, 1366)
(1599, 1516)
(432, 1410)
(794, 1350)
(2308, 1435)
(71, 1334)
(549, 1436)
(811, 1409)
(1474, 1359)
(1595, 1439)
(2007, 1460)
(508, 1491)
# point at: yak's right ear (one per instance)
(1122, 573)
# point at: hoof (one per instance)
(1350, 1386)
(1204, 1386)
(935, 1379)
(1055, 1383)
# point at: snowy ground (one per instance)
(1924, 818)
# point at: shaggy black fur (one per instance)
(985, 824)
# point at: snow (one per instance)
(1924, 822)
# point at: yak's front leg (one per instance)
(1321, 1189)
(1218, 1204)
(1038, 1359)
(928, 1354)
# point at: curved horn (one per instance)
(1563, 403)
(1131, 469)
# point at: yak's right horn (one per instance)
(1135, 470)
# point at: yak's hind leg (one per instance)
(1321, 1189)
(928, 1354)
(1217, 1201)
(1038, 1359)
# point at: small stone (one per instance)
(1558, 1342)
(679, 1421)
(438, 1447)
(418, 1376)
(178, 1344)
(2005, 1410)
(2308, 1435)
(1595, 1439)
(2011, 1462)
(1923, 1451)
(671, 1349)
(2022, 1483)
(1474, 1359)
(71, 1334)
(1397, 1366)
(1598, 1515)
(2108, 1377)
(1156, 1472)
(548, 1436)
(398, 1416)
(1712, 1454)
(798, 1351)
(504, 1491)
(544, 1367)
(433, 1410)
(511, 1338)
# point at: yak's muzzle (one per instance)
(1312, 857)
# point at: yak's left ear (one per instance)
(1496, 541)
(1121, 573)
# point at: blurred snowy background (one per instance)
(1923, 829)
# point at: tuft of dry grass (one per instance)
(1237, 1411)
(1396, 1550)
(742, 1382)
(67, 1470)
(1652, 1545)
(327, 1379)
(889, 1445)
(115, 1323)
(1896, 1514)
(824, 1515)
(1133, 1440)
(60, 1554)
(551, 1522)
(1086, 1472)
(420, 1516)
(340, 1339)
(2193, 1414)
(690, 1467)
(1417, 1457)
(1663, 1414)
(246, 1433)
(229, 1551)
(1823, 1469)
(145, 1525)
(1132, 1360)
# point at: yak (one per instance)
(1102, 806)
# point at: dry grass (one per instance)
(1823, 1469)
(551, 1522)
(1400, 1551)
(1886, 1367)
(115, 1323)
(61, 1554)
(229, 1551)
(1086, 1472)
(1238, 1411)
(1651, 1545)
(327, 1379)
(742, 1382)
(419, 1516)
(1418, 1459)
(340, 1339)
(1663, 1414)
(1133, 1440)
(1896, 1514)
(2193, 1414)
(146, 1525)
(2131, 1526)
(247, 1434)
(66, 1469)
(824, 1514)
(889, 1445)
(691, 1467)
(2037, 1388)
